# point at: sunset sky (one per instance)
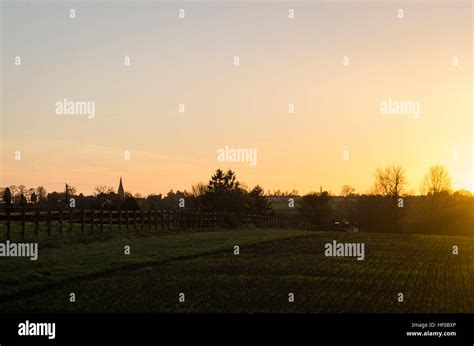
(190, 61)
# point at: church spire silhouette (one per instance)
(121, 191)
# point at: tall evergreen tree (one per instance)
(7, 197)
(257, 202)
(224, 192)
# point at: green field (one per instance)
(271, 264)
(65, 258)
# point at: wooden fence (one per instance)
(156, 219)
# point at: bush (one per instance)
(230, 220)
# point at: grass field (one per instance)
(421, 267)
(66, 258)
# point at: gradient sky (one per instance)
(190, 61)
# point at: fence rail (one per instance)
(92, 220)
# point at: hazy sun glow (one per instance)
(190, 61)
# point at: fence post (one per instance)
(156, 219)
(37, 223)
(135, 213)
(101, 220)
(70, 220)
(8, 225)
(149, 219)
(83, 220)
(176, 220)
(172, 218)
(168, 219)
(110, 219)
(49, 223)
(61, 222)
(141, 214)
(127, 219)
(92, 220)
(162, 219)
(23, 224)
(120, 218)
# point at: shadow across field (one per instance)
(64, 259)
(421, 267)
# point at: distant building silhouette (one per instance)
(121, 191)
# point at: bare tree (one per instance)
(436, 181)
(347, 190)
(29, 193)
(33, 197)
(198, 189)
(390, 181)
(71, 190)
(13, 190)
(41, 193)
(435, 185)
(103, 189)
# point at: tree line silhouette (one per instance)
(388, 207)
